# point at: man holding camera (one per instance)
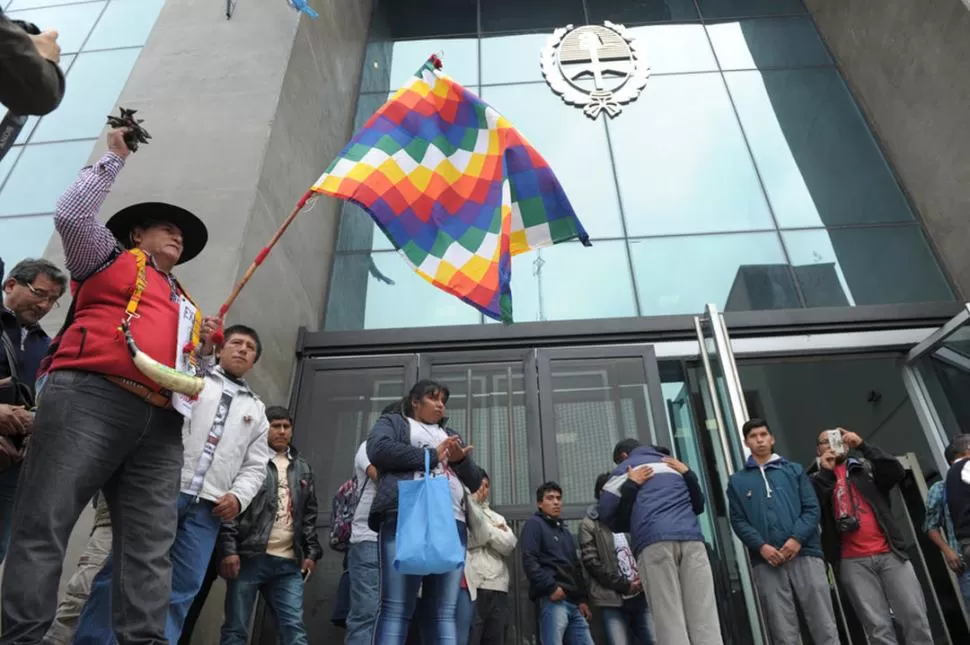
(30, 80)
(861, 539)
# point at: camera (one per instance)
(847, 524)
(29, 27)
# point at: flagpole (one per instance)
(218, 337)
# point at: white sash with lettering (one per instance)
(183, 360)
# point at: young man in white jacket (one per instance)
(490, 542)
(225, 455)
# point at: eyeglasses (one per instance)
(43, 295)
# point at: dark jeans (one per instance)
(8, 490)
(199, 603)
(191, 552)
(88, 435)
(491, 618)
(280, 582)
(399, 596)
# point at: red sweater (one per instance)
(93, 342)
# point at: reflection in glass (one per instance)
(24, 237)
(748, 8)
(393, 19)
(487, 407)
(73, 22)
(512, 59)
(596, 402)
(32, 121)
(42, 173)
(96, 81)
(768, 42)
(575, 148)
(388, 66)
(865, 266)
(125, 23)
(382, 291)
(816, 155)
(739, 272)
(513, 15)
(634, 11)
(682, 163)
(670, 49)
(570, 282)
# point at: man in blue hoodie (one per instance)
(775, 512)
(656, 499)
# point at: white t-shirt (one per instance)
(425, 435)
(360, 531)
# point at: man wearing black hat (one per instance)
(103, 424)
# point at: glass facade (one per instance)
(744, 175)
(100, 42)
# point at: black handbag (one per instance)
(13, 392)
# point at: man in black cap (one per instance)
(103, 424)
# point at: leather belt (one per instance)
(139, 390)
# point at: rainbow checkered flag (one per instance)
(455, 188)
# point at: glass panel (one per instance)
(6, 164)
(487, 407)
(587, 177)
(96, 81)
(33, 120)
(546, 283)
(350, 401)
(947, 379)
(675, 48)
(741, 272)
(125, 23)
(768, 42)
(381, 290)
(73, 22)
(817, 157)
(865, 266)
(512, 15)
(512, 59)
(633, 11)
(42, 173)
(596, 403)
(682, 163)
(24, 237)
(389, 66)
(711, 9)
(393, 19)
(31, 4)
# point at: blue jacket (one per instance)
(774, 503)
(550, 559)
(663, 509)
(30, 348)
(390, 451)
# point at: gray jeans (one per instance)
(680, 592)
(880, 583)
(804, 578)
(90, 434)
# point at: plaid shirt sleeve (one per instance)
(88, 244)
(934, 508)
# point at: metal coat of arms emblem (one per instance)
(598, 68)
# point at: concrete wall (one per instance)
(245, 114)
(908, 64)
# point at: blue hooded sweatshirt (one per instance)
(772, 503)
(663, 508)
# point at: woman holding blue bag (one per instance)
(419, 513)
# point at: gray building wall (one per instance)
(908, 64)
(245, 115)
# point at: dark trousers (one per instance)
(491, 618)
(88, 435)
(196, 609)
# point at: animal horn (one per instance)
(164, 375)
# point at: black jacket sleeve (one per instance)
(29, 83)
(228, 543)
(388, 454)
(311, 542)
(696, 494)
(887, 472)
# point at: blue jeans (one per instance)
(561, 622)
(631, 620)
(194, 542)
(365, 592)
(399, 596)
(8, 488)
(464, 616)
(281, 583)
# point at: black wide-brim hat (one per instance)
(194, 233)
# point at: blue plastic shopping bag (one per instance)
(427, 536)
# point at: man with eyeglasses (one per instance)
(29, 293)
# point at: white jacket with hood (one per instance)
(239, 462)
(488, 547)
